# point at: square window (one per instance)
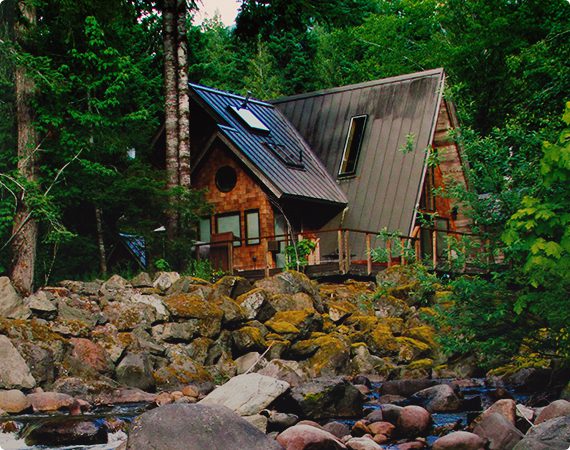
(229, 222)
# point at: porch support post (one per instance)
(368, 255)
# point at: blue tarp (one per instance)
(137, 247)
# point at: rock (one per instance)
(389, 413)
(364, 362)
(11, 304)
(179, 371)
(339, 429)
(557, 408)
(251, 360)
(405, 388)
(498, 431)
(70, 432)
(285, 370)
(528, 378)
(258, 421)
(175, 331)
(553, 434)
(440, 398)
(279, 420)
(13, 401)
(153, 301)
(40, 360)
(195, 427)
(247, 394)
(163, 280)
(306, 437)
(142, 280)
(505, 407)
(323, 398)
(41, 304)
(125, 395)
(256, 305)
(413, 421)
(206, 316)
(115, 283)
(231, 286)
(296, 302)
(232, 312)
(380, 427)
(412, 445)
(459, 440)
(360, 428)
(362, 443)
(91, 354)
(50, 401)
(14, 372)
(135, 370)
(327, 355)
(127, 316)
(248, 339)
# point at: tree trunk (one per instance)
(171, 109)
(101, 241)
(183, 97)
(25, 230)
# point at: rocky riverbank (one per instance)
(76, 348)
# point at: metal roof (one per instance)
(387, 185)
(296, 173)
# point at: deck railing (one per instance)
(364, 252)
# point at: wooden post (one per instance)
(403, 254)
(434, 248)
(368, 255)
(389, 251)
(267, 257)
(418, 249)
(346, 252)
(231, 257)
(340, 252)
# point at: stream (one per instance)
(121, 415)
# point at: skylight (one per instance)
(352, 146)
(249, 119)
(290, 157)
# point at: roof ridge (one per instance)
(229, 94)
(410, 76)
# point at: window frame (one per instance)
(237, 239)
(347, 151)
(204, 218)
(247, 238)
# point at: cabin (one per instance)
(335, 166)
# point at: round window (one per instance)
(226, 178)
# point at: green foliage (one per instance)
(203, 269)
(297, 253)
(162, 265)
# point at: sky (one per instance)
(226, 8)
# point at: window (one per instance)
(252, 227)
(226, 178)
(229, 222)
(427, 200)
(250, 119)
(352, 146)
(205, 229)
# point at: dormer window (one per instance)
(352, 146)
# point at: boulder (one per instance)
(280, 421)
(294, 302)
(459, 440)
(389, 413)
(11, 304)
(440, 398)
(175, 331)
(339, 429)
(13, 401)
(92, 355)
(364, 362)
(70, 432)
(405, 388)
(505, 407)
(413, 421)
(557, 408)
(231, 286)
(142, 280)
(207, 316)
(285, 370)
(380, 427)
(179, 370)
(232, 312)
(247, 394)
(248, 339)
(252, 362)
(498, 431)
(41, 304)
(552, 434)
(135, 370)
(323, 398)
(125, 395)
(195, 427)
(14, 372)
(163, 280)
(41, 361)
(331, 357)
(255, 305)
(258, 421)
(154, 302)
(362, 443)
(412, 445)
(306, 437)
(50, 401)
(126, 316)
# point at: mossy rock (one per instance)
(29, 330)
(360, 322)
(285, 329)
(305, 321)
(70, 328)
(255, 304)
(381, 341)
(425, 363)
(410, 349)
(198, 349)
(231, 286)
(340, 310)
(331, 358)
(292, 302)
(192, 306)
(328, 325)
(395, 323)
(233, 313)
(389, 306)
(303, 349)
(424, 334)
(248, 339)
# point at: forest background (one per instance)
(96, 72)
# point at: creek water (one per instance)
(126, 413)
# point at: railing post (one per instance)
(346, 252)
(434, 247)
(389, 251)
(368, 255)
(267, 257)
(403, 254)
(340, 252)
